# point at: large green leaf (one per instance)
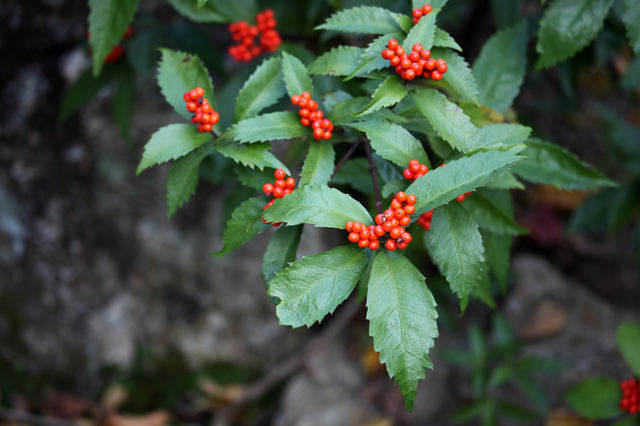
(296, 77)
(628, 338)
(443, 39)
(267, 127)
(245, 223)
(567, 27)
(261, 90)
(505, 134)
(281, 251)
(108, 20)
(171, 142)
(253, 178)
(507, 180)
(390, 92)
(393, 187)
(341, 60)
(84, 89)
(497, 249)
(402, 320)
(314, 286)
(371, 59)
(405, 22)
(458, 74)
(254, 155)
(183, 177)
(319, 205)
(491, 217)
(457, 247)
(423, 33)
(180, 72)
(443, 184)
(207, 13)
(499, 85)
(393, 143)
(343, 112)
(451, 123)
(596, 398)
(552, 165)
(318, 166)
(237, 10)
(364, 19)
(631, 18)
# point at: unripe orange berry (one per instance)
(279, 174)
(354, 237)
(374, 245)
(390, 245)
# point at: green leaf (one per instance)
(628, 421)
(319, 205)
(208, 13)
(390, 92)
(261, 90)
(436, 4)
(371, 59)
(481, 115)
(497, 249)
(267, 127)
(552, 165)
(499, 85)
(202, 3)
(356, 174)
(423, 33)
(402, 320)
(506, 12)
(183, 177)
(507, 180)
(596, 398)
(405, 22)
(123, 99)
(108, 20)
(334, 98)
(491, 217)
(364, 20)
(281, 251)
(567, 27)
(458, 74)
(450, 122)
(341, 60)
(443, 39)
(254, 155)
(505, 134)
(631, 78)
(314, 286)
(631, 19)
(180, 72)
(237, 10)
(318, 167)
(343, 112)
(393, 187)
(171, 142)
(443, 184)
(393, 143)
(296, 77)
(253, 178)
(628, 338)
(84, 89)
(457, 247)
(245, 223)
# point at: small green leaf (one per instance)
(449, 120)
(254, 155)
(84, 89)
(499, 86)
(497, 249)
(423, 33)
(390, 92)
(436, 4)
(341, 60)
(443, 39)
(208, 13)
(371, 59)
(402, 320)
(281, 251)
(314, 286)
(628, 338)
(458, 74)
(261, 90)
(567, 27)
(393, 187)
(343, 113)
(171, 142)
(318, 167)
(405, 22)
(491, 217)
(108, 20)
(505, 134)
(183, 177)
(268, 127)
(296, 77)
(393, 143)
(245, 223)
(552, 165)
(319, 205)
(596, 398)
(631, 19)
(253, 178)
(364, 20)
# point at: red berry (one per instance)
(401, 196)
(348, 226)
(431, 64)
(326, 136)
(193, 94)
(305, 121)
(406, 237)
(425, 54)
(304, 112)
(395, 204)
(302, 103)
(363, 243)
(395, 233)
(414, 56)
(399, 50)
(402, 245)
(306, 95)
(278, 192)
(385, 54)
(442, 68)
(318, 133)
(207, 127)
(374, 245)
(387, 226)
(364, 234)
(409, 209)
(279, 174)
(379, 219)
(393, 44)
(426, 9)
(436, 75)
(405, 221)
(192, 107)
(408, 174)
(379, 231)
(290, 183)
(357, 227)
(295, 99)
(411, 199)
(354, 237)
(417, 13)
(415, 67)
(279, 183)
(400, 213)
(312, 105)
(460, 198)
(390, 245)
(320, 114)
(405, 63)
(395, 61)
(415, 167)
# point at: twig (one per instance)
(32, 419)
(374, 175)
(346, 157)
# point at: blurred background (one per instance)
(110, 313)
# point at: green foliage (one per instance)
(497, 249)
(245, 223)
(281, 251)
(505, 134)
(491, 217)
(341, 60)
(296, 77)
(254, 155)
(506, 12)
(628, 338)
(371, 59)
(253, 178)
(237, 10)
(267, 127)
(346, 112)
(318, 167)
(364, 20)
(596, 398)
(423, 33)
(443, 39)
(123, 99)
(171, 142)
(85, 88)
(390, 92)
(197, 13)
(631, 18)
(399, 300)
(458, 74)
(183, 177)
(262, 89)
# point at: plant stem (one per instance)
(346, 157)
(374, 175)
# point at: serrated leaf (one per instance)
(334, 98)
(183, 177)
(567, 27)
(341, 60)
(171, 142)
(84, 89)
(393, 143)
(202, 3)
(108, 20)
(443, 184)
(497, 249)
(499, 86)
(343, 112)
(628, 338)
(318, 166)
(457, 247)
(390, 92)
(314, 286)
(596, 398)
(267, 127)
(404, 21)
(443, 39)
(245, 223)
(393, 187)
(482, 291)
(237, 10)
(319, 205)
(417, 4)
(505, 134)
(423, 33)
(179, 72)
(458, 74)
(364, 20)
(281, 251)
(253, 178)
(507, 180)
(371, 59)
(296, 77)
(263, 89)
(402, 320)
(386, 169)
(208, 13)
(552, 165)
(631, 19)
(449, 120)
(254, 155)
(481, 115)
(491, 217)
(356, 174)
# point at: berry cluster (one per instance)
(310, 115)
(415, 170)
(630, 396)
(419, 13)
(425, 220)
(204, 116)
(418, 62)
(245, 35)
(278, 189)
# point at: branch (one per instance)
(32, 419)
(345, 158)
(374, 175)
